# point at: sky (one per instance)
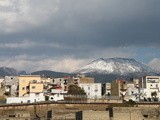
(64, 35)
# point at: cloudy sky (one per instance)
(63, 35)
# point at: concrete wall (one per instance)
(115, 86)
(56, 97)
(127, 113)
(96, 115)
(64, 115)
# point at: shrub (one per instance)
(7, 93)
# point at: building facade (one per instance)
(150, 85)
(93, 90)
(118, 87)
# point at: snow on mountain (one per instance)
(119, 66)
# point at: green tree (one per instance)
(154, 94)
(75, 90)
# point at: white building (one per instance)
(132, 92)
(151, 84)
(33, 97)
(93, 90)
(11, 84)
(57, 94)
(56, 97)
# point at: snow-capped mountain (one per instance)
(120, 66)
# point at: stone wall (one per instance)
(127, 113)
(95, 115)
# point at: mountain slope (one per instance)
(106, 70)
(7, 71)
(49, 73)
(119, 66)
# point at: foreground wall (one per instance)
(126, 113)
(96, 115)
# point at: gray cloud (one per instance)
(81, 29)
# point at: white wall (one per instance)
(30, 99)
(93, 90)
(56, 97)
(152, 85)
(58, 91)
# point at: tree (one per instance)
(130, 103)
(154, 96)
(75, 90)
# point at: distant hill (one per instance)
(49, 73)
(7, 71)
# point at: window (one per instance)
(88, 88)
(27, 87)
(37, 94)
(23, 88)
(96, 90)
(33, 87)
(34, 81)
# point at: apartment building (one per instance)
(151, 84)
(93, 90)
(11, 85)
(30, 90)
(24, 84)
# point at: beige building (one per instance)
(29, 82)
(36, 87)
(30, 90)
(84, 79)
